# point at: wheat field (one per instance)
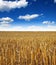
(27, 48)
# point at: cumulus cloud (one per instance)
(48, 22)
(5, 21)
(28, 17)
(8, 5)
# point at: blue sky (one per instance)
(27, 15)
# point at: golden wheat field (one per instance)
(27, 48)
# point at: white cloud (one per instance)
(48, 22)
(5, 21)
(41, 28)
(9, 28)
(29, 17)
(28, 28)
(8, 5)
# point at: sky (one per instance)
(27, 15)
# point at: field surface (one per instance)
(27, 48)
